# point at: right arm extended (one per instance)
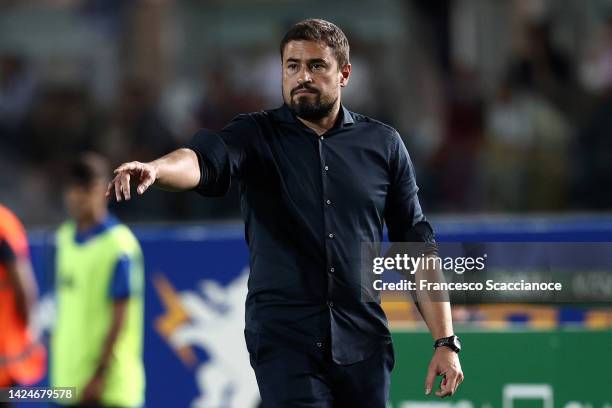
(176, 171)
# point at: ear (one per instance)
(345, 73)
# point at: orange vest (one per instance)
(22, 361)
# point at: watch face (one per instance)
(456, 343)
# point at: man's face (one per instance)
(83, 202)
(312, 79)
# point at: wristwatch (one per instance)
(451, 342)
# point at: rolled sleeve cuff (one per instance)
(423, 233)
(213, 159)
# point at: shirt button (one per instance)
(326, 168)
(322, 137)
(332, 270)
(319, 344)
(328, 202)
(331, 236)
(330, 303)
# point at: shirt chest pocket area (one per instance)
(357, 182)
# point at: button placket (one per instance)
(326, 203)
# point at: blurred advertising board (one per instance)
(514, 355)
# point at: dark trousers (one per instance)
(289, 378)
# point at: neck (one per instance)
(90, 220)
(322, 125)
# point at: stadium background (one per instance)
(505, 107)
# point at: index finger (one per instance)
(429, 380)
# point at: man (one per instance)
(316, 180)
(22, 358)
(97, 342)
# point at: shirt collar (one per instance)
(284, 114)
(84, 236)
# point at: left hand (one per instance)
(445, 362)
(93, 390)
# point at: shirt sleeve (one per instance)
(120, 287)
(221, 155)
(6, 252)
(403, 215)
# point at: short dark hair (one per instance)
(320, 31)
(87, 169)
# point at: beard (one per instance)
(308, 109)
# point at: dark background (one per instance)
(505, 106)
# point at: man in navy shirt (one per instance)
(316, 181)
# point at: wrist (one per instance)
(444, 351)
(451, 343)
(155, 166)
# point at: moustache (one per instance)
(304, 88)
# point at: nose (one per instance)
(304, 76)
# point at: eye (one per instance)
(316, 67)
(292, 66)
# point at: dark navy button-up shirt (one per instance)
(308, 202)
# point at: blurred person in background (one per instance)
(316, 181)
(593, 142)
(61, 122)
(17, 87)
(543, 68)
(453, 166)
(539, 97)
(96, 345)
(135, 125)
(22, 358)
(525, 160)
(217, 105)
